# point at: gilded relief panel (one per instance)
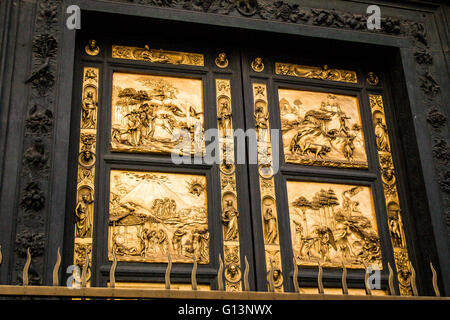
(156, 114)
(321, 129)
(269, 214)
(388, 178)
(322, 73)
(333, 223)
(230, 213)
(157, 55)
(84, 208)
(153, 214)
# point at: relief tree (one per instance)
(303, 204)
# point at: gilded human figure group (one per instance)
(154, 240)
(333, 233)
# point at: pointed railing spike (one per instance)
(220, 274)
(413, 279)
(112, 271)
(168, 270)
(319, 279)
(391, 280)
(84, 271)
(194, 275)
(25, 268)
(435, 285)
(1, 257)
(56, 268)
(247, 269)
(344, 279)
(271, 284)
(295, 277)
(366, 279)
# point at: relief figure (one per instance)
(88, 111)
(152, 214)
(333, 223)
(271, 229)
(83, 214)
(230, 218)
(321, 129)
(154, 113)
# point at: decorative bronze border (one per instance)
(157, 56)
(232, 271)
(269, 216)
(322, 73)
(84, 211)
(389, 181)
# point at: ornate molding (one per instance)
(269, 215)
(157, 56)
(388, 177)
(230, 213)
(322, 73)
(84, 210)
(37, 145)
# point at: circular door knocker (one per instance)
(86, 159)
(222, 60)
(257, 64)
(372, 79)
(227, 169)
(265, 171)
(92, 48)
(233, 273)
(277, 277)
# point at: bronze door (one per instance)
(321, 190)
(146, 194)
(328, 200)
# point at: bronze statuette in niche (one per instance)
(152, 214)
(321, 129)
(157, 114)
(333, 224)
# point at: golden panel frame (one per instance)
(230, 215)
(334, 224)
(321, 129)
(84, 210)
(269, 215)
(152, 214)
(322, 73)
(388, 177)
(157, 56)
(157, 114)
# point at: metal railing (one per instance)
(112, 292)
